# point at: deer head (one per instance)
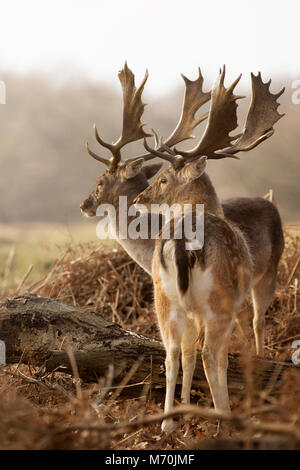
(185, 180)
(122, 177)
(129, 177)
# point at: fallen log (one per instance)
(41, 331)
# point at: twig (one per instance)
(109, 381)
(293, 272)
(128, 437)
(143, 382)
(285, 340)
(8, 266)
(127, 377)
(151, 376)
(30, 380)
(147, 420)
(273, 379)
(27, 274)
(75, 372)
(242, 422)
(34, 288)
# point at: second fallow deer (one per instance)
(207, 287)
(130, 177)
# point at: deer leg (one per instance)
(215, 360)
(172, 335)
(262, 294)
(222, 368)
(188, 358)
(172, 366)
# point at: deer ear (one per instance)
(151, 170)
(196, 168)
(133, 168)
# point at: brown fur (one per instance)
(162, 303)
(257, 218)
(235, 252)
(259, 221)
(200, 191)
(115, 184)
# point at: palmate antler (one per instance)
(262, 116)
(222, 120)
(133, 108)
(194, 98)
(216, 141)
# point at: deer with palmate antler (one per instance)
(257, 218)
(129, 177)
(206, 287)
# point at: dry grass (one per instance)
(51, 413)
(107, 281)
(35, 417)
(39, 244)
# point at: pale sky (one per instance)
(92, 38)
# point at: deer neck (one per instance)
(202, 191)
(141, 250)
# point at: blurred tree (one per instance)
(45, 171)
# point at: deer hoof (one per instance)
(168, 426)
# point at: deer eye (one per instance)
(100, 183)
(163, 180)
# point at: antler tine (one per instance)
(133, 108)
(168, 149)
(96, 157)
(262, 116)
(158, 153)
(157, 139)
(159, 147)
(222, 120)
(102, 142)
(194, 98)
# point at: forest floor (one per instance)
(69, 263)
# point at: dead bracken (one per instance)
(58, 412)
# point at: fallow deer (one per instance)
(206, 287)
(129, 178)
